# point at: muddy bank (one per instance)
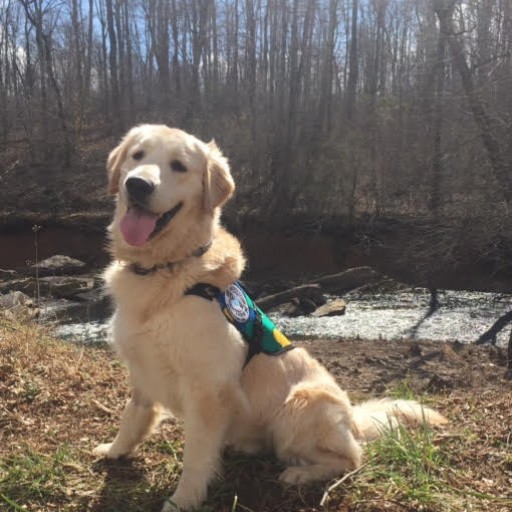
(284, 251)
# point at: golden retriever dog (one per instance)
(183, 356)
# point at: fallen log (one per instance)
(312, 291)
(348, 280)
(339, 283)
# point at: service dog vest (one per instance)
(255, 326)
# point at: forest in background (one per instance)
(343, 109)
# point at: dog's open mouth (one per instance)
(138, 225)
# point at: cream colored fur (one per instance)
(184, 357)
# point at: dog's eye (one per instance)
(177, 166)
(138, 155)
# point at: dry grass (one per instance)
(57, 401)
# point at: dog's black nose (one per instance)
(139, 189)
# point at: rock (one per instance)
(94, 306)
(55, 286)
(15, 298)
(292, 309)
(307, 305)
(8, 274)
(16, 304)
(23, 285)
(58, 265)
(64, 287)
(335, 307)
(300, 306)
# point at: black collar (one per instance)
(139, 270)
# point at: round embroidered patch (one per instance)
(237, 304)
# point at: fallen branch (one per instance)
(338, 483)
(102, 407)
(348, 280)
(334, 283)
(305, 290)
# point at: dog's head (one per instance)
(162, 176)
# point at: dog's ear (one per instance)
(218, 183)
(115, 161)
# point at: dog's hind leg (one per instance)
(314, 433)
(245, 435)
(140, 417)
(323, 461)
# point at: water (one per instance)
(86, 332)
(462, 316)
(386, 314)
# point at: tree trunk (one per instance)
(176, 50)
(88, 59)
(501, 169)
(326, 97)
(161, 49)
(353, 64)
(437, 159)
(114, 72)
(129, 57)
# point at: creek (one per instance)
(377, 315)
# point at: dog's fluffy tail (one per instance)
(374, 416)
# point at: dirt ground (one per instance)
(465, 382)
(57, 401)
(374, 367)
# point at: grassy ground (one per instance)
(57, 401)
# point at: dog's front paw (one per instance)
(295, 475)
(182, 500)
(170, 507)
(108, 451)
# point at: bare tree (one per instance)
(353, 75)
(334, 107)
(114, 72)
(35, 15)
(501, 169)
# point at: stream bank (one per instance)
(281, 252)
(473, 292)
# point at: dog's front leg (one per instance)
(205, 430)
(139, 418)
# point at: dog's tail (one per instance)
(374, 416)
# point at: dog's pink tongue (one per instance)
(136, 226)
